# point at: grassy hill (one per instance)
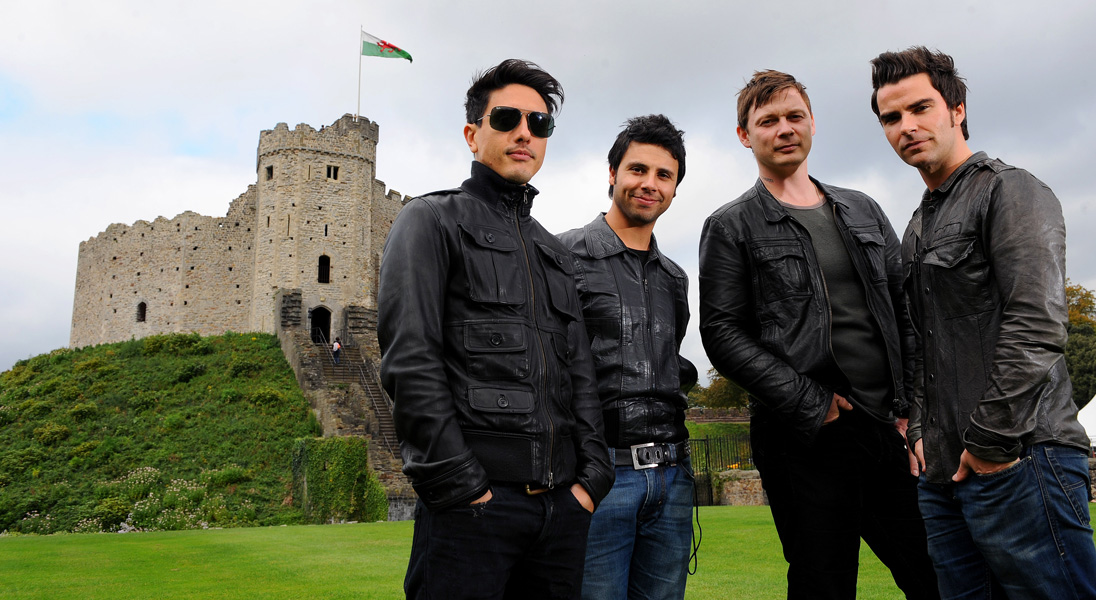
(166, 432)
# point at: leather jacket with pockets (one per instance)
(985, 260)
(483, 347)
(764, 312)
(636, 315)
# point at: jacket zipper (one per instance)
(540, 339)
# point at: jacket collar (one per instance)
(956, 175)
(775, 211)
(489, 186)
(602, 241)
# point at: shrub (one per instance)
(144, 400)
(33, 408)
(242, 367)
(230, 395)
(111, 512)
(83, 411)
(226, 476)
(50, 433)
(267, 396)
(189, 371)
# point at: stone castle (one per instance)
(304, 242)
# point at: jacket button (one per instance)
(932, 377)
(490, 238)
(496, 339)
(503, 402)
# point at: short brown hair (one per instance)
(892, 67)
(761, 88)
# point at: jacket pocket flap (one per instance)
(766, 253)
(494, 337)
(869, 237)
(491, 238)
(559, 260)
(948, 255)
(500, 400)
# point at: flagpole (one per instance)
(359, 109)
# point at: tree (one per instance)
(1082, 305)
(720, 393)
(1081, 346)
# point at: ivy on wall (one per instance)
(332, 481)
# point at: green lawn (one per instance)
(739, 558)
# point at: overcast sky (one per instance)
(113, 111)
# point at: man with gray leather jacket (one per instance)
(486, 359)
(636, 305)
(993, 431)
(801, 305)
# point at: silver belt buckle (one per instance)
(635, 457)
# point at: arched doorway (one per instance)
(321, 324)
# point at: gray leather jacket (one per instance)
(636, 316)
(764, 312)
(483, 348)
(985, 262)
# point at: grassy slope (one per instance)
(179, 429)
(739, 559)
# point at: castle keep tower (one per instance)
(313, 224)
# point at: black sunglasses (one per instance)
(505, 118)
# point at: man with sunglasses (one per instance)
(485, 356)
(635, 302)
(801, 304)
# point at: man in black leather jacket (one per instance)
(801, 305)
(993, 428)
(485, 356)
(635, 303)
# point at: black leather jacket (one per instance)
(484, 352)
(764, 312)
(985, 255)
(636, 316)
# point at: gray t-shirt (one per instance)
(857, 343)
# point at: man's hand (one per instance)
(970, 463)
(483, 498)
(839, 404)
(917, 458)
(583, 497)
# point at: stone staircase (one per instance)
(353, 368)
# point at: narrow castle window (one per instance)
(332, 172)
(324, 269)
(269, 172)
(141, 307)
(325, 230)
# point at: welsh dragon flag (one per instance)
(372, 46)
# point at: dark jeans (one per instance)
(1020, 533)
(852, 483)
(513, 546)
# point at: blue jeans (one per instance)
(513, 546)
(641, 535)
(1020, 533)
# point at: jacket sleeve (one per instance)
(411, 305)
(593, 471)
(1025, 240)
(687, 371)
(915, 363)
(896, 278)
(731, 336)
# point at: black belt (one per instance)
(646, 456)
